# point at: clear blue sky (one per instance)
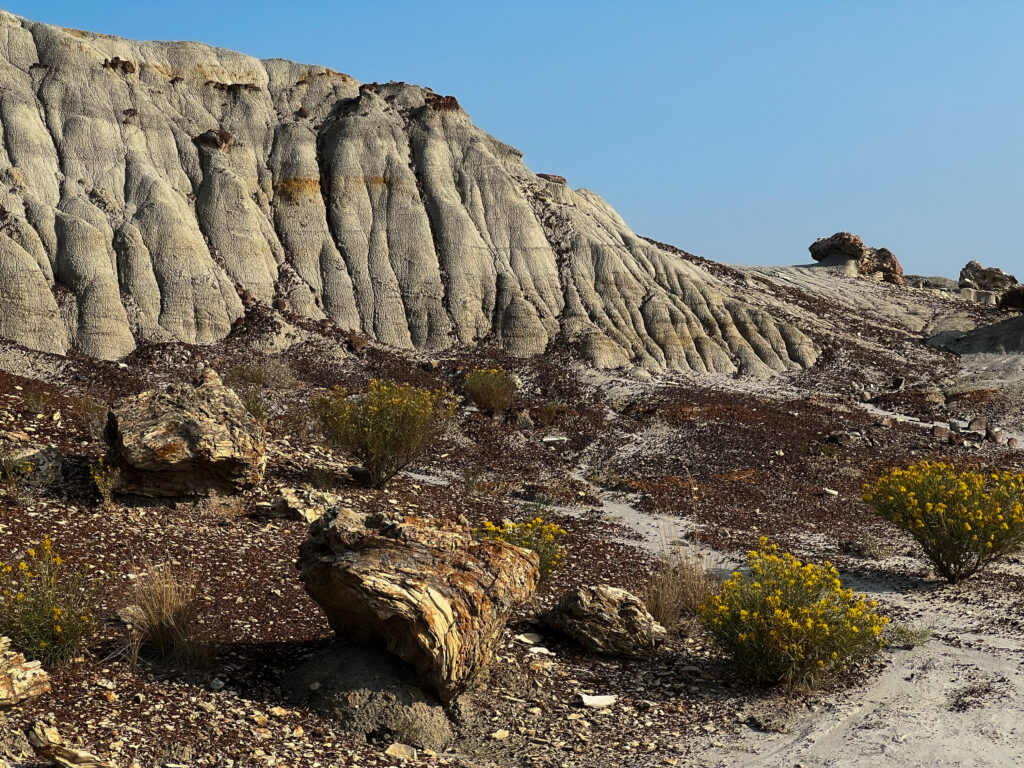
(737, 130)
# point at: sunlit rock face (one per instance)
(147, 186)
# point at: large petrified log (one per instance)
(186, 440)
(428, 591)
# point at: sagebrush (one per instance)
(790, 622)
(963, 521)
(387, 426)
(46, 608)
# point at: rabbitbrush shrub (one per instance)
(490, 389)
(789, 622)
(45, 609)
(543, 538)
(962, 520)
(387, 426)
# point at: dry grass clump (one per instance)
(255, 404)
(551, 413)
(271, 373)
(680, 585)
(93, 414)
(387, 426)
(491, 389)
(47, 610)
(162, 617)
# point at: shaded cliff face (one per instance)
(147, 187)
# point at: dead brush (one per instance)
(162, 618)
(680, 584)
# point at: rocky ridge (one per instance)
(154, 191)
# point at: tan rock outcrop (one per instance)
(186, 439)
(426, 590)
(19, 679)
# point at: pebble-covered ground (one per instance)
(616, 460)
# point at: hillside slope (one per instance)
(153, 191)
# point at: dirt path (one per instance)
(956, 700)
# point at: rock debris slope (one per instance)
(151, 191)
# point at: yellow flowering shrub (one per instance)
(790, 622)
(105, 476)
(962, 520)
(490, 389)
(543, 538)
(45, 610)
(387, 426)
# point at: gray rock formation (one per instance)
(147, 187)
(372, 694)
(186, 440)
(1003, 338)
(606, 620)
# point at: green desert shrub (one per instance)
(789, 622)
(490, 389)
(963, 520)
(387, 426)
(543, 538)
(46, 609)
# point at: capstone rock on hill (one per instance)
(149, 187)
(975, 275)
(848, 250)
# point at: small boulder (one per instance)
(37, 466)
(303, 504)
(606, 620)
(424, 589)
(186, 440)
(19, 679)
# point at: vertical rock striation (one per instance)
(146, 186)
